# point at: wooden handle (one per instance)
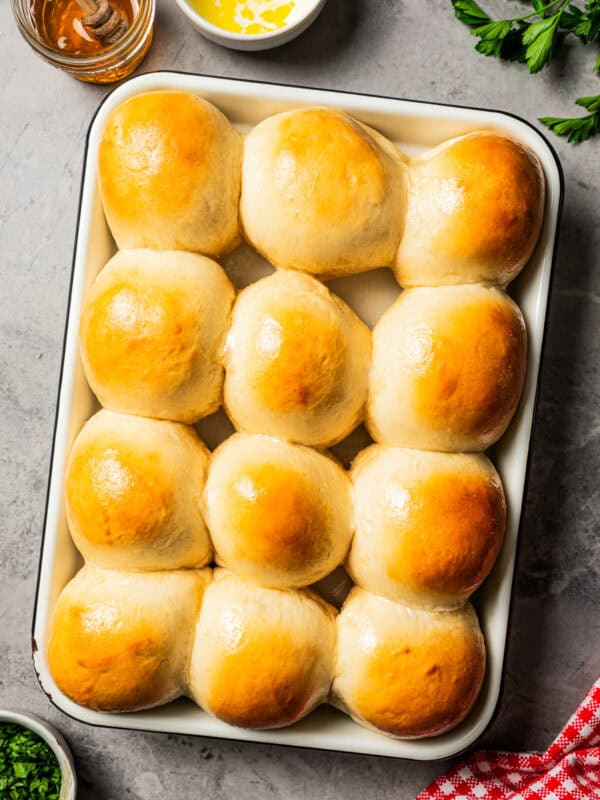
(105, 23)
(89, 6)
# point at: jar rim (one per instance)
(142, 21)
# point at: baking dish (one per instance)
(414, 126)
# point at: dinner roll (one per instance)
(279, 514)
(448, 368)
(169, 166)
(262, 658)
(152, 331)
(133, 493)
(120, 641)
(428, 525)
(406, 672)
(297, 361)
(322, 193)
(475, 208)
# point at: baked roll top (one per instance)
(152, 331)
(297, 361)
(428, 525)
(262, 658)
(448, 369)
(121, 641)
(474, 215)
(407, 672)
(322, 193)
(279, 514)
(169, 166)
(133, 492)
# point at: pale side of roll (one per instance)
(407, 672)
(120, 641)
(133, 492)
(152, 331)
(262, 658)
(169, 168)
(428, 525)
(279, 514)
(322, 193)
(448, 369)
(297, 361)
(475, 210)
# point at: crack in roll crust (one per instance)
(296, 360)
(453, 378)
(428, 525)
(133, 491)
(279, 514)
(407, 672)
(262, 658)
(151, 334)
(120, 641)
(474, 214)
(322, 193)
(170, 174)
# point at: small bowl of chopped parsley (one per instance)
(35, 760)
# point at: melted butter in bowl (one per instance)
(245, 16)
(251, 24)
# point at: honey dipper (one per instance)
(103, 21)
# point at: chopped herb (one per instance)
(28, 767)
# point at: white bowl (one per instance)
(55, 741)
(304, 14)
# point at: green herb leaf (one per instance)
(577, 129)
(540, 40)
(492, 36)
(584, 23)
(590, 103)
(469, 12)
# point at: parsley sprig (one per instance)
(28, 767)
(577, 129)
(533, 39)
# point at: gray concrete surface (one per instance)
(407, 48)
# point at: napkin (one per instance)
(568, 770)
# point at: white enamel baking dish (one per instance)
(414, 126)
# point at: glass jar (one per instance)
(109, 63)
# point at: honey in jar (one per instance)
(60, 24)
(99, 41)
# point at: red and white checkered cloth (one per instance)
(568, 770)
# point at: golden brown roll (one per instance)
(262, 658)
(448, 369)
(406, 672)
(152, 331)
(170, 171)
(297, 361)
(428, 525)
(475, 208)
(133, 492)
(120, 641)
(322, 193)
(279, 514)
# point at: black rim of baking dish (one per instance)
(561, 196)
